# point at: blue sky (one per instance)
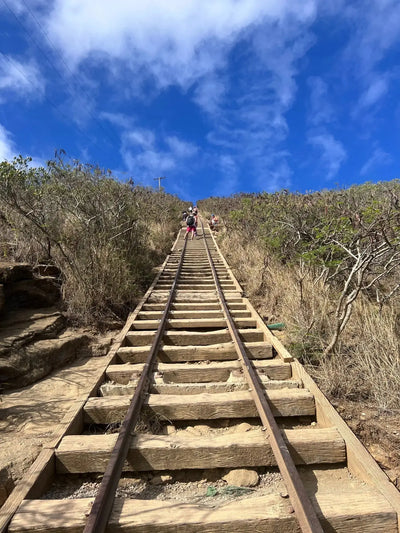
(219, 96)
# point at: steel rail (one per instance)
(104, 501)
(305, 512)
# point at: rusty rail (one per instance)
(103, 503)
(305, 512)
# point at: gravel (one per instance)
(181, 486)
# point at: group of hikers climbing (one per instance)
(191, 219)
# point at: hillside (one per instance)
(103, 236)
(327, 264)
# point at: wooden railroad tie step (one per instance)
(192, 338)
(90, 453)
(213, 352)
(193, 323)
(193, 281)
(158, 296)
(189, 313)
(199, 372)
(359, 511)
(285, 402)
(194, 278)
(184, 306)
(159, 387)
(227, 286)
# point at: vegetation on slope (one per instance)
(105, 236)
(328, 265)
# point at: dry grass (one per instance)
(366, 364)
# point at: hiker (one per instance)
(196, 218)
(195, 210)
(213, 222)
(184, 215)
(190, 225)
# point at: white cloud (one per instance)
(376, 90)
(279, 46)
(20, 79)
(177, 42)
(251, 124)
(375, 29)
(117, 119)
(321, 111)
(375, 32)
(7, 148)
(332, 151)
(181, 149)
(378, 159)
(146, 48)
(148, 156)
(149, 164)
(209, 94)
(145, 139)
(229, 180)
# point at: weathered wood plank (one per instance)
(191, 338)
(190, 313)
(117, 389)
(193, 323)
(359, 511)
(90, 453)
(200, 372)
(360, 463)
(158, 296)
(286, 402)
(196, 287)
(39, 476)
(41, 471)
(213, 352)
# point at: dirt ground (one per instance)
(378, 430)
(28, 416)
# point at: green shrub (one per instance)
(104, 235)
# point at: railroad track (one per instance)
(196, 390)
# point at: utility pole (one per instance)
(159, 181)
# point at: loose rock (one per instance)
(159, 480)
(242, 478)
(242, 428)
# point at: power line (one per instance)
(15, 65)
(50, 62)
(60, 56)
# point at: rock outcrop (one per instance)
(34, 339)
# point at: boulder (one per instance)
(11, 272)
(33, 293)
(29, 363)
(23, 327)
